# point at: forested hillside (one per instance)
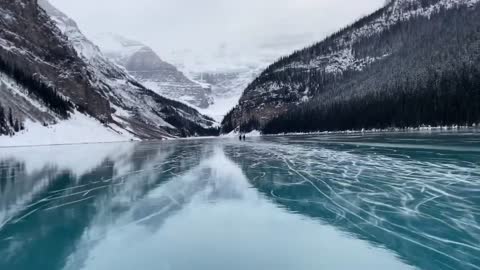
(409, 64)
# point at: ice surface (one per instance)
(351, 201)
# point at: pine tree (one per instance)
(47, 94)
(16, 127)
(10, 117)
(3, 123)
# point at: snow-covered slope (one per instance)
(226, 87)
(355, 61)
(229, 67)
(79, 128)
(147, 67)
(40, 126)
(52, 73)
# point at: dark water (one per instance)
(396, 201)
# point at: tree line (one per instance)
(9, 124)
(446, 99)
(42, 91)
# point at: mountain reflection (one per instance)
(419, 204)
(44, 199)
(150, 205)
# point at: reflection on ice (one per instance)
(274, 203)
(419, 204)
(211, 218)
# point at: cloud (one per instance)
(202, 27)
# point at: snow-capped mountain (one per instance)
(51, 74)
(223, 70)
(148, 68)
(362, 76)
(213, 90)
(230, 66)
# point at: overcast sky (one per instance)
(245, 27)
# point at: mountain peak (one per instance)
(117, 46)
(143, 63)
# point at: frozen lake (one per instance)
(382, 201)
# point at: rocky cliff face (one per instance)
(49, 66)
(147, 67)
(387, 56)
(31, 44)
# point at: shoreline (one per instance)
(424, 129)
(257, 134)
